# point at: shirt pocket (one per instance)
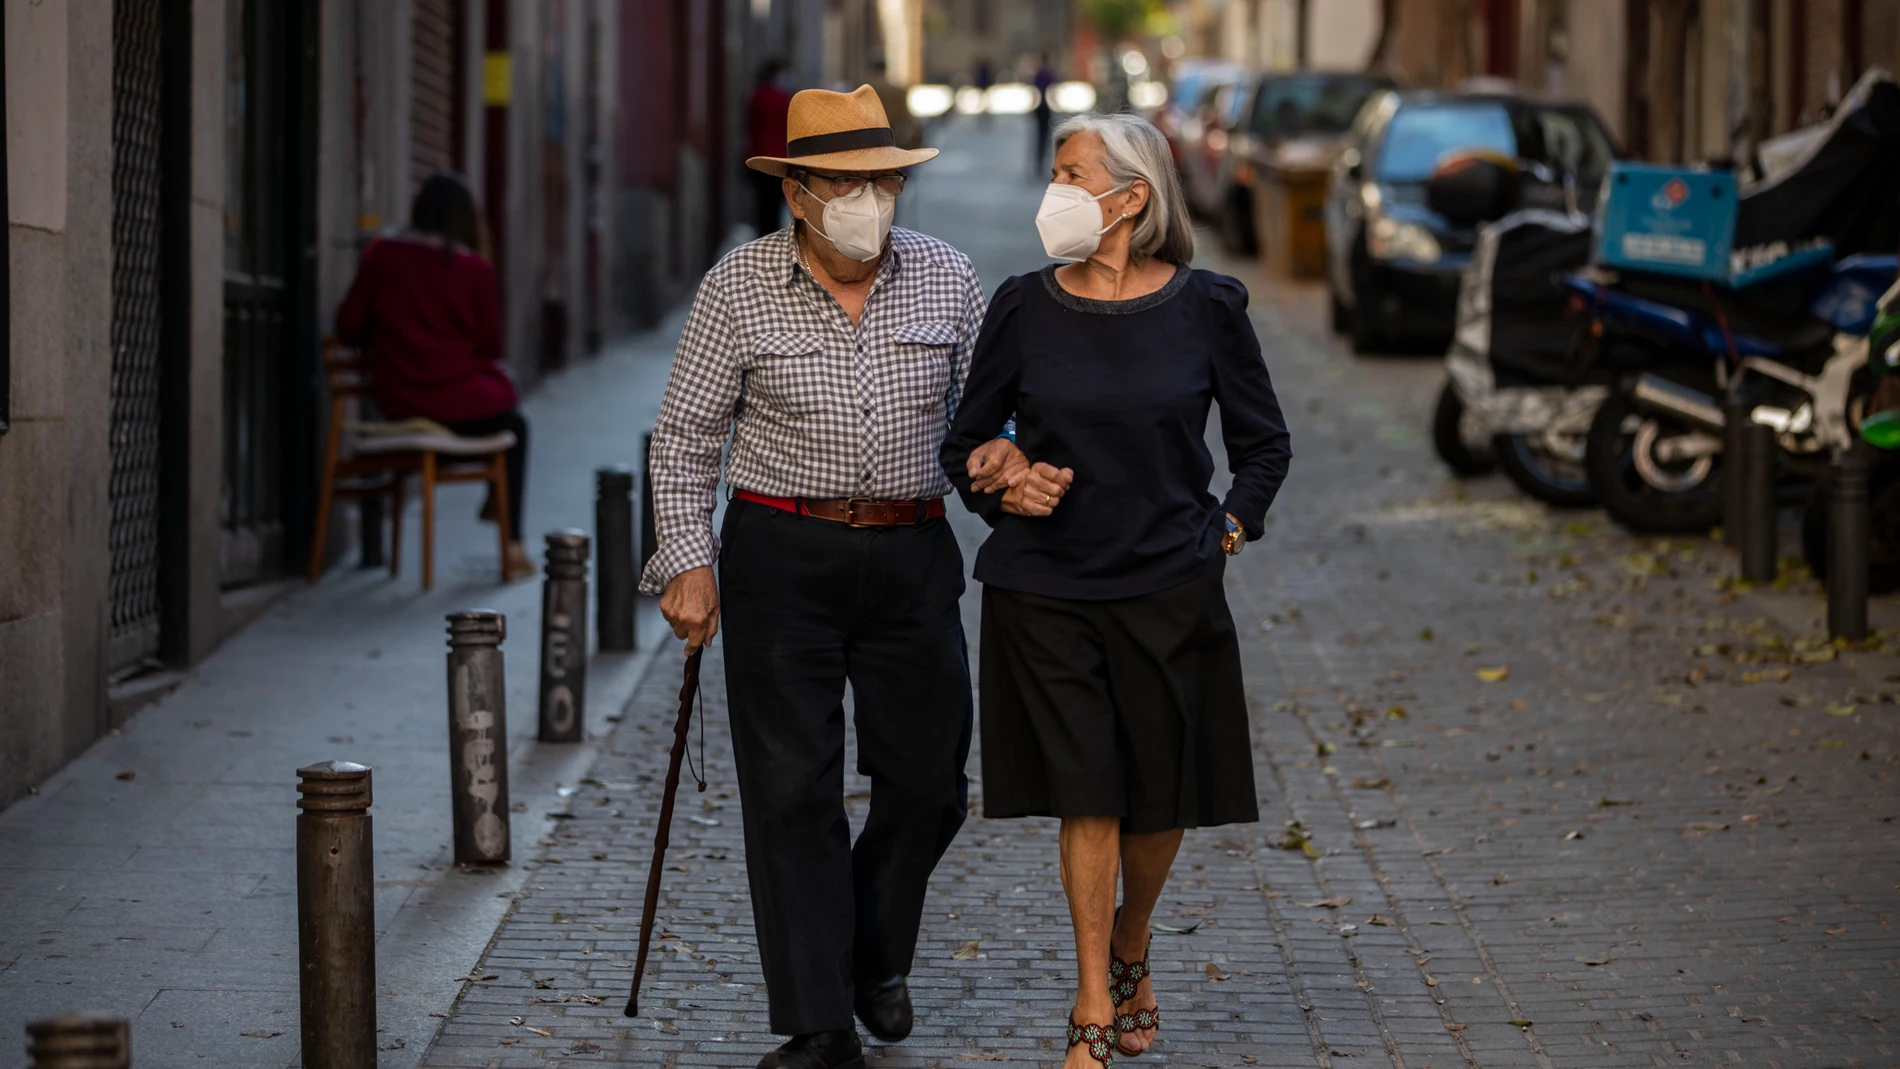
(785, 373)
(924, 351)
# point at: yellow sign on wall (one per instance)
(498, 79)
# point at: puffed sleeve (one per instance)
(1259, 448)
(989, 397)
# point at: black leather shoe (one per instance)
(885, 1009)
(839, 1049)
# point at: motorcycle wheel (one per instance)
(1675, 498)
(1549, 478)
(1465, 453)
(1883, 522)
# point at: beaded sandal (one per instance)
(1124, 979)
(1096, 1036)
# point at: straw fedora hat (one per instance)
(839, 132)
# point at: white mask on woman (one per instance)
(859, 223)
(1067, 221)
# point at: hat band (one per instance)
(842, 141)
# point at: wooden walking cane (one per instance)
(689, 691)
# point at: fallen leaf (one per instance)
(1348, 929)
(1326, 903)
(1325, 749)
(1572, 834)
(1520, 1022)
(1431, 981)
(1173, 929)
(477, 978)
(128, 774)
(1380, 921)
(1837, 931)
(1214, 974)
(1371, 784)
(1586, 959)
(543, 1033)
(1397, 712)
(1454, 1028)
(260, 1034)
(582, 1046)
(1832, 710)
(1494, 675)
(1702, 828)
(1382, 822)
(966, 952)
(1605, 803)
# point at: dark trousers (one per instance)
(806, 605)
(1045, 119)
(768, 201)
(517, 461)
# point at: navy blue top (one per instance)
(1120, 391)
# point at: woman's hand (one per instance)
(996, 465)
(1039, 492)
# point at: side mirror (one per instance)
(1470, 189)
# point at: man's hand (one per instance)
(691, 605)
(1039, 492)
(997, 465)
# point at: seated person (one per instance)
(426, 310)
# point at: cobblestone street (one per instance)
(1534, 792)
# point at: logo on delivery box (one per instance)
(1670, 196)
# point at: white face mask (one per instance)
(1068, 221)
(859, 223)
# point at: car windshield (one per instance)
(1566, 137)
(1294, 107)
(1419, 136)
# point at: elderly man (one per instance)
(832, 354)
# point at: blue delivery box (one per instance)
(1668, 220)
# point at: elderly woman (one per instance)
(1111, 687)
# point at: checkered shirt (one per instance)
(813, 406)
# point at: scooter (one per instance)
(1790, 339)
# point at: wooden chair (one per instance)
(380, 458)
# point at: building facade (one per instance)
(191, 184)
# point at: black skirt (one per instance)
(1132, 708)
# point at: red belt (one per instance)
(853, 511)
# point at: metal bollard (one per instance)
(1761, 535)
(1847, 536)
(649, 536)
(478, 736)
(76, 1042)
(564, 639)
(613, 525)
(1735, 419)
(336, 916)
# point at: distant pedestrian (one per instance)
(1045, 81)
(426, 310)
(1111, 684)
(984, 77)
(765, 136)
(830, 356)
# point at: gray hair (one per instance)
(1135, 149)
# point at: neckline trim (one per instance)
(1134, 304)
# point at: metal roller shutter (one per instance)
(136, 320)
(431, 95)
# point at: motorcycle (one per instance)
(1510, 367)
(1791, 342)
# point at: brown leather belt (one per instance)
(853, 511)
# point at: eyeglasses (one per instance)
(844, 185)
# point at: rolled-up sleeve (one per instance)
(695, 419)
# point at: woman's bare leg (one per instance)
(1146, 860)
(1091, 848)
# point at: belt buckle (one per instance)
(851, 511)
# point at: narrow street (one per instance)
(1535, 793)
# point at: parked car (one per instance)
(1392, 263)
(1203, 142)
(1189, 83)
(1313, 108)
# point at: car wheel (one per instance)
(1341, 315)
(1368, 334)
